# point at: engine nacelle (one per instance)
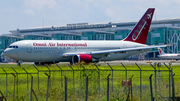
(87, 58)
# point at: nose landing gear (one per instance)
(18, 63)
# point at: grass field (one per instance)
(76, 82)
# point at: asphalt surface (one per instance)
(144, 62)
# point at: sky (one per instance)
(25, 14)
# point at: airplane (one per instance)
(168, 56)
(73, 51)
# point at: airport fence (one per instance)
(89, 82)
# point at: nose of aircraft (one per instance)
(8, 52)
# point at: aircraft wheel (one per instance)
(18, 63)
(36, 63)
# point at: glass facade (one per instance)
(172, 37)
(121, 34)
(65, 37)
(35, 37)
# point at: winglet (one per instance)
(140, 31)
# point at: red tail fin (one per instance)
(140, 31)
(161, 51)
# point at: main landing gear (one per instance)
(44, 63)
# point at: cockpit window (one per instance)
(13, 46)
(10, 46)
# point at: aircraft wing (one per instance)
(99, 54)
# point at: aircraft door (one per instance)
(29, 48)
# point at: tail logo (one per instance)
(160, 51)
(149, 16)
(137, 33)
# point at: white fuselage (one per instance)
(169, 56)
(53, 50)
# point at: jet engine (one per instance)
(87, 58)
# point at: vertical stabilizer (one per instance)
(160, 51)
(140, 31)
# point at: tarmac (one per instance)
(143, 62)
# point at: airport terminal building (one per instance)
(165, 31)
